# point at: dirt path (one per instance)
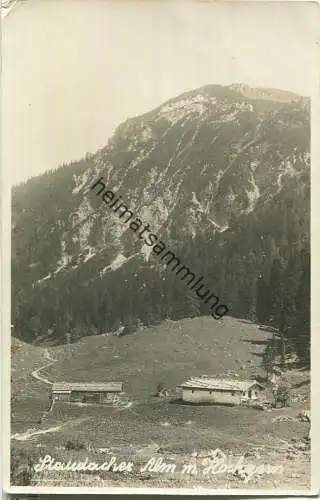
(30, 433)
(36, 373)
(24, 436)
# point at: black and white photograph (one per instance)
(156, 291)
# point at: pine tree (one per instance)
(302, 326)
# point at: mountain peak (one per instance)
(206, 167)
(264, 93)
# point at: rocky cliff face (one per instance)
(199, 166)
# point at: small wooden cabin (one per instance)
(83, 392)
(220, 391)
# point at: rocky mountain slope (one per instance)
(221, 174)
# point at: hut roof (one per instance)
(219, 384)
(87, 386)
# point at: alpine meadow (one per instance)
(222, 174)
(119, 375)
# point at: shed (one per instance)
(84, 392)
(220, 391)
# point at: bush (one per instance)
(74, 445)
(21, 468)
(282, 395)
(159, 389)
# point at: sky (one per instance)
(73, 70)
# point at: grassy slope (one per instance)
(29, 396)
(167, 353)
(24, 359)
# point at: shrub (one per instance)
(21, 469)
(159, 389)
(74, 445)
(282, 395)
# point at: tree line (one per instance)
(259, 267)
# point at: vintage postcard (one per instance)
(156, 170)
